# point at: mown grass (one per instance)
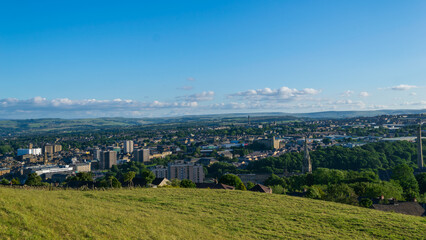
(169, 213)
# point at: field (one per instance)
(169, 213)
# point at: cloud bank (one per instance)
(283, 93)
(403, 87)
(283, 99)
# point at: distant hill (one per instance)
(29, 126)
(352, 114)
(316, 115)
(170, 213)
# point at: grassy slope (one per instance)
(191, 214)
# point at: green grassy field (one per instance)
(169, 213)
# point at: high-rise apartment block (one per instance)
(57, 147)
(96, 154)
(108, 158)
(128, 146)
(50, 149)
(160, 172)
(142, 155)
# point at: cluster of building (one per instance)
(202, 147)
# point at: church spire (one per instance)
(307, 165)
(419, 147)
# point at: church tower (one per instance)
(307, 165)
(420, 148)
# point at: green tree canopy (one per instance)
(403, 174)
(274, 180)
(186, 183)
(15, 181)
(421, 179)
(250, 185)
(231, 180)
(148, 176)
(128, 177)
(4, 181)
(82, 176)
(34, 180)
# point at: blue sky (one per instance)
(167, 58)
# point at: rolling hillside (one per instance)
(56, 125)
(169, 213)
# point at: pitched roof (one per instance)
(158, 181)
(261, 188)
(409, 208)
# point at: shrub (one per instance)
(249, 185)
(241, 186)
(16, 181)
(277, 189)
(186, 183)
(366, 202)
(231, 180)
(4, 181)
(175, 182)
(34, 180)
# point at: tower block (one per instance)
(420, 163)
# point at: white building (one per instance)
(42, 169)
(31, 151)
(128, 147)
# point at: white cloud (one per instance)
(347, 93)
(419, 103)
(364, 94)
(42, 107)
(199, 97)
(191, 79)
(403, 87)
(283, 93)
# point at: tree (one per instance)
(405, 177)
(82, 177)
(421, 180)
(5, 149)
(114, 168)
(250, 185)
(128, 177)
(341, 193)
(113, 182)
(4, 181)
(175, 182)
(241, 186)
(217, 169)
(366, 202)
(316, 191)
(328, 176)
(231, 180)
(274, 180)
(148, 176)
(390, 189)
(34, 180)
(277, 189)
(186, 183)
(15, 181)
